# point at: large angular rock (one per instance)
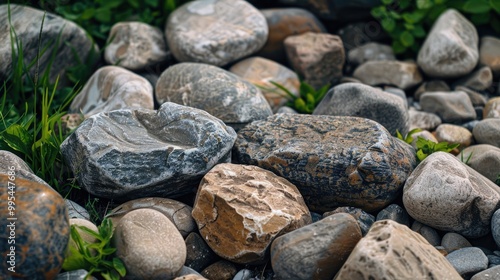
(393, 251)
(451, 47)
(451, 107)
(240, 209)
(215, 32)
(364, 101)
(112, 88)
(333, 161)
(73, 41)
(448, 195)
(142, 153)
(404, 75)
(219, 92)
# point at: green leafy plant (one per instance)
(426, 147)
(95, 257)
(408, 138)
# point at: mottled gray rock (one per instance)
(215, 32)
(364, 101)
(423, 120)
(220, 270)
(80, 274)
(318, 57)
(315, 251)
(75, 211)
(135, 45)
(476, 98)
(219, 92)
(370, 52)
(484, 158)
(334, 161)
(451, 47)
(401, 74)
(9, 160)
(480, 79)
(492, 108)
(454, 134)
(431, 86)
(365, 220)
(451, 107)
(453, 241)
(181, 143)
(112, 88)
(495, 226)
(430, 234)
(177, 212)
(468, 261)
(447, 195)
(149, 245)
(492, 273)
(396, 213)
(74, 44)
(487, 131)
(199, 255)
(489, 53)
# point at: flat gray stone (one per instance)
(492, 273)
(404, 75)
(451, 107)
(127, 154)
(484, 158)
(487, 131)
(468, 261)
(453, 241)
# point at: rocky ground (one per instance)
(271, 194)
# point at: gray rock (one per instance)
(480, 79)
(21, 168)
(431, 86)
(370, 52)
(489, 53)
(492, 108)
(492, 273)
(219, 92)
(484, 158)
(215, 32)
(334, 161)
(454, 134)
(396, 213)
(430, 234)
(181, 143)
(470, 125)
(360, 100)
(476, 98)
(75, 211)
(468, 261)
(451, 107)
(286, 110)
(401, 74)
(365, 220)
(112, 88)
(423, 120)
(135, 45)
(199, 255)
(487, 131)
(453, 241)
(447, 195)
(451, 47)
(244, 274)
(398, 92)
(495, 227)
(315, 251)
(80, 274)
(74, 44)
(493, 260)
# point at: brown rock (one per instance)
(393, 251)
(404, 75)
(240, 210)
(492, 108)
(454, 134)
(221, 270)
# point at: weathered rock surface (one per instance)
(315, 251)
(370, 52)
(423, 120)
(241, 209)
(365, 220)
(112, 88)
(135, 45)
(491, 273)
(475, 97)
(215, 32)
(149, 245)
(447, 195)
(333, 161)
(487, 131)
(454, 134)
(167, 151)
(393, 251)
(80, 274)
(484, 158)
(492, 108)
(404, 75)
(219, 92)
(489, 53)
(451, 47)
(451, 107)
(364, 101)
(468, 261)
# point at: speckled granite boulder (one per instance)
(393, 251)
(41, 230)
(333, 161)
(404, 75)
(364, 101)
(167, 151)
(217, 91)
(451, 107)
(112, 88)
(135, 45)
(240, 209)
(215, 32)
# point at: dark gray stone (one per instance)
(365, 220)
(495, 227)
(244, 274)
(451, 107)
(396, 213)
(492, 273)
(470, 125)
(468, 261)
(487, 131)
(75, 211)
(493, 260)
(430, 234)
(128, 154)
(453, 241)
(199, 255)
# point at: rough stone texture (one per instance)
(9, 160)
(220, 270)
(392, 251)
(75, 211)
(112, 88)
(135, 45)
(317, 57)
(149, 245)
(448, 195)
(396, 213)
(365, 220)
(430, 234)
(492, 108)
(404, 75)
(480, 79)
(364, 101)
(80, 274)
(167, 151)
(177, 212)
(284, 22)
(484, 158)
(476, 98)
(199, 255)
(41, 230)
(489, 53)
(219, 92)
(495, 226)
(453, 241)
(431, 86)
(370, 52)
(451, 107)
(215, 32)
(241, 209)
(334, 161)
(487, 131)
(423, 120)
(451, 47)
(492, 273)
(26, 21)
(315, 251)
(468, 261)
(260, 71)
(454, 134)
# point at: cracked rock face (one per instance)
(127, 154)
(240, 209)
(393, 251)
(333, 161)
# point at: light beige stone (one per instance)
(454, 134)
(480, 79)
(492, 108)
(404, 75)
(484, 158)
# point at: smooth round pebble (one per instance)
(468, 261)
(453, 241)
